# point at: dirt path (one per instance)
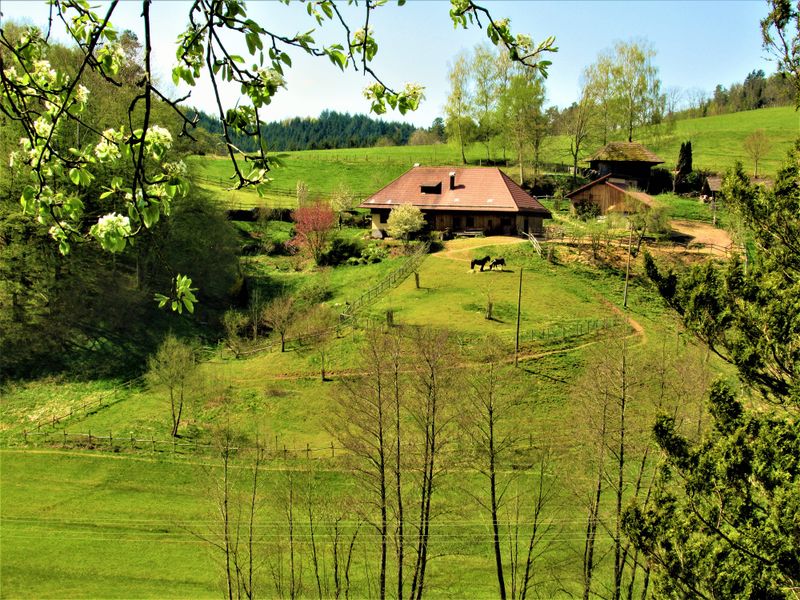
(703, 233)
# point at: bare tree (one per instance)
(522, 562)
(237, 502)
(488, 421)
(318, 329)
(432, 415)
(363, 427)
(756, 145)
(279, 315)
(172, 366)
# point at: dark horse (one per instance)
(498, 262)
(480, 261)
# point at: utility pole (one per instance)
(519, 309)
(628, 266)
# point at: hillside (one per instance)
(716, 142)
(152, 503)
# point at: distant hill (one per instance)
(718, 141)
(331, 130)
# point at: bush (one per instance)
(373, 253)
(341, 251)
(587, 210)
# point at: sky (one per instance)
(698, 45)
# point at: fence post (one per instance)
(110, 439)
(64, 445)
(90, 437)
(132, 444)
(308, 451)
(25, 435)
(284, 452)
(333, 452)
(152, 439)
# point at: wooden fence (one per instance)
(85, 408)
(393, 279)
(180, 447)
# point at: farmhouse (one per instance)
(608, 194)
(461, 200)
(627, 162)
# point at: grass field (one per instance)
(133, 516)
(716, 144)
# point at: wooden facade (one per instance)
(609, 196)
(461, 221)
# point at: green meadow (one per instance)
(717, 143)
(98, 502)
(137, 515)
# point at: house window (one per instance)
(470, 221)
(384, 215)
(456, 223)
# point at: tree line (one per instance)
(330, 130)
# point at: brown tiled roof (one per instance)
(625, 151)
(477, 189)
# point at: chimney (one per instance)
(452, 180)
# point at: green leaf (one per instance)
(75, 176)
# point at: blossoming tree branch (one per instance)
(43, 100)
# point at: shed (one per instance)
(609, 195)
(628, 161)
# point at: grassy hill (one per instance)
(135, 515)
(716, 144)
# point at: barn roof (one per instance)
(714, 183)
(625, 152)
(476, 189)
(645, 199)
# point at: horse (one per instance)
(498, 262)
(479, 261)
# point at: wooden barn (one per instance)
(609, 195)
(461, 200)
(628, 162)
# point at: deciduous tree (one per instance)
(404, 220)
(756, 145)
(313, 228)
(43, 102)
(172, 366)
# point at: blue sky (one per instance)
(698, 44)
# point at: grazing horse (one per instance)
(480, 261)
(498, 262)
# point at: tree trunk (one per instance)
(498, 556)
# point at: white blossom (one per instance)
(82, 94)
(158, 135)
(113, 223)
(107, 148)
